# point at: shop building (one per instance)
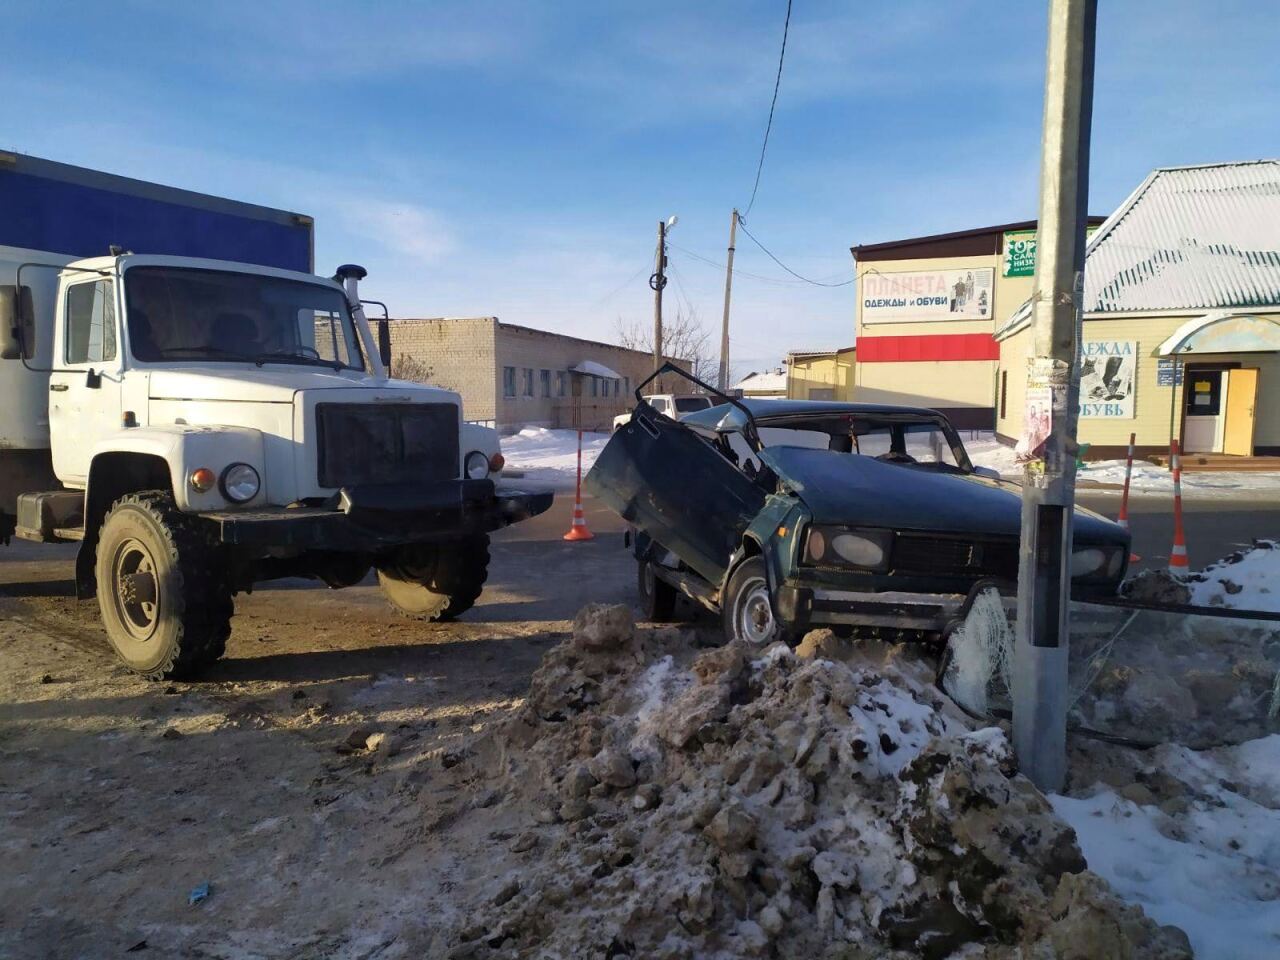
(1181, 327)
(821, 374)
(927, 310)
(511, 376)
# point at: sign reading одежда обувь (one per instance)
(921, 296)
(1108, 371)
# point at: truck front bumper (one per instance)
(370, 518)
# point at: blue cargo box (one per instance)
(59, 208)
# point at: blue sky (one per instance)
(513, 158)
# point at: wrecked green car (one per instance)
(783, 515)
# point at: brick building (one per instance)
(513, 376)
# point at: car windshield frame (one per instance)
(309, 295)
(803, 421)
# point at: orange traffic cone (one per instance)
(1178, 565)
(1123, 519)
(578, 529)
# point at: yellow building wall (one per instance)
(829, 372)
(1152, 402)
(949, 383)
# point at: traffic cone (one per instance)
(1123, 519)
(578, 529)
(1178, 565)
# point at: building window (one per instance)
(544, 381)
(595, 386)
(528, 381)
(617, 387)
(626, 386)
(509, 382)
(91, 323)
(562, 383)
(1004, 393)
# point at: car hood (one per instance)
(272, 384)
(846, 488)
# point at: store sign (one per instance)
(1019, 253)
(921, 296)
(1108, 372)
(1168, 373)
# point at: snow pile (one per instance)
(551, 456)
(824, 803)
(1247, 580)
(1195, 839)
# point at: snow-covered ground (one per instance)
(551, 456)
(986, 451)
(1209, 864)
(1251, 582)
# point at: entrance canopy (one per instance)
(593, 369)
(1224, 332)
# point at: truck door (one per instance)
(85, 386)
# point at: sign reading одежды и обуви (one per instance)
(921, 296)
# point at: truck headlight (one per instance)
(240, 483)
(476, 465)
(845, 547)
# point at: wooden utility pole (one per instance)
(728, 287)
(1048, 490)
(657, 282)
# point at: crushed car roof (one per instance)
(764, 409)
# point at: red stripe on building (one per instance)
(935, 346)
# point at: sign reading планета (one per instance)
(920, 296)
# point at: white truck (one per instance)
(674, 405)
(202, 412)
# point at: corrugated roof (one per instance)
(768, 380)
(1194, 238)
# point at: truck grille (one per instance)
(365, 443)
(955, 557)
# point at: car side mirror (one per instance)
(988, 472)
(17, 323)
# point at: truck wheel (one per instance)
(162, 591)
(657, 598)
(746, 611)
(429, 581)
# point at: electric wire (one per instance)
(816, 283)
(786, 26)
(780, 281)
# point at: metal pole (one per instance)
(658, 281)
(728, 286)
(1044, 575)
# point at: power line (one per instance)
(816, 283)
(736, 272)
(769, 126)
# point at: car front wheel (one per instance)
(657, 597)
(747, 612)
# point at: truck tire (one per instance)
(746, 611)
(657, 598)
(162, 591)
(434, 582)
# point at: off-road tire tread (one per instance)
(204, 602)
(463, 582)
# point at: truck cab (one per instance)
(212, 424)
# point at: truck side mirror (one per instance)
(17, 323)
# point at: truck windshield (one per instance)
(179, 313)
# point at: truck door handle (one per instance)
(57, 387)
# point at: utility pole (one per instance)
(728, 287)
(1048, 492)
(657, 282)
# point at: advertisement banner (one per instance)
(1108, 371)
(921, 296)
(1019, 253)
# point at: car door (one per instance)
(85, 385)
(674, 485)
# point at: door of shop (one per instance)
(1242, 396)
(1220, 410)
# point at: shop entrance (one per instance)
(1220, 407)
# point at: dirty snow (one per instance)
(551, 456)
(1249, 580)
(1208, 862)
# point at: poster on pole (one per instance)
(1108, 373)
(923, 296)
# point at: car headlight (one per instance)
(1097, 562)
(476, 465)
(848, 547)
(240, 483)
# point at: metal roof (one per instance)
(1189, 238)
